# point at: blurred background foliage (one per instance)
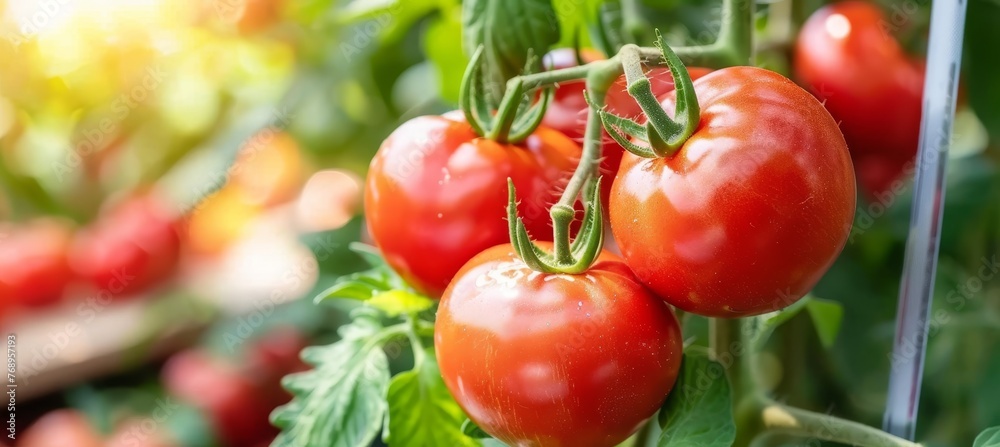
(101, 98)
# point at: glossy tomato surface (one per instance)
(848, 59)
(34, 265)
(553, 360)
(436, 194)
(751, 211)
(132, 246)
(567, 112)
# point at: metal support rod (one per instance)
(944, 58)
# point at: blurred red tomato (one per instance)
(867, 81)
(239, 413)
(61, 428)
(131, 247)
(276, 354)
(34, 269)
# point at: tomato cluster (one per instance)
(235, 395)
(131, 247)
(743, 219)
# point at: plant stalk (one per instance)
(774, 416)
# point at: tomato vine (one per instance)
(732, 409)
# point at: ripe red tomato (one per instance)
(34, 269)
(436, 194)
(845, 55)
(238, 412)
(131, 247)
(751, 211)
(555, 360)
(567, 112)
(61, 428)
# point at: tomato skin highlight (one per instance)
(751, 211)
(846, 57)
(436, 194)
(34, 268)
(552, 360)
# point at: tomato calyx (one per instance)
(575, 257)
(515, 119)
(665, 135)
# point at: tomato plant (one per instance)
(543, 359)
(847, 57)
(568, 111)
(435, 195)
(34, 269)
(132, 246)
(750, 211)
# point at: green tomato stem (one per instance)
(733, 46)
(732, 350)
(665, 135)
(599, 79)
(413, 330)
(774, 416)
(736, 32)
(553, 77)
(506, 111)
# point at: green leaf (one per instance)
(421, 411)
(988, 438)
(762, 326)
(357, 286)
(340, 403)
(575, 17)
(398, 302)
(369, 253)
(363, 286)
(607, 28)
(699, 410)
(473, 431)
(508, 29)
(981, 64)
(826, 316)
